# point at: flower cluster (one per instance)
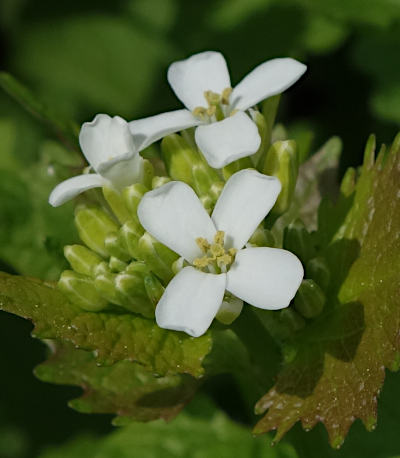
(189, 247)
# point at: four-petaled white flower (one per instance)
(225, 132)
(267, 278)
(111, 150)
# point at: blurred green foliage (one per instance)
(86, 57)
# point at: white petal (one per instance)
(106, 139)
(148, 130)
(230, 309)
(191, 301)
(124, 170)
(267, 278)
(246, 199)
(174, 215)
(228, 140)
(270, 78)
(70, 188)
(190, 78)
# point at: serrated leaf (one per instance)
(125, 389)
(338, 364)
(113, 337)
(211, 435)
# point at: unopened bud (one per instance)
(80, 290)
(132, 196)
(116, 265)
(116, 203)
(147, 173)
(154, 288)
(133, 294)
(310, 299)
(116, 247)
(292, 319)
(318, 270)
(93, 226)
(258, 157)
(105, 285)
(82, 260)
(159, 181)
(299, 241)
(129, 236)
(282, 162)
(233, 167)
(157, 256)
(179, 158)
(229, 310)
(262, 237)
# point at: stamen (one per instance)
(233, 112)
(201, 263)
(219, 237)
(217, 250)
(203, 244)
(200, 112)
(211, 110)
(226, 93)
(212, 98)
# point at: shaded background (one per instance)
(86, 57)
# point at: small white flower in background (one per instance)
(225, 131)
(267, 278)
(111, 150)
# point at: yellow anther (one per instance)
(212, 98)
(201, 263)
(219, 237)
(200, 112)
(203, 244)
(224, 260)
(232, 252)
(217, 250)
(211, 110)
(226, 93)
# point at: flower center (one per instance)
(218, 106)
(217, 259)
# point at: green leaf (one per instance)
(113, 337)
(337, 363)
(126, 388)
(213, 436)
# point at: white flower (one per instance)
(267, 278)
(225, 131)
(111, 150)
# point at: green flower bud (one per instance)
(154, 288)
(157, 256)
(80, 290)
(159, 181)
(317, 269)
(129, 236)
(101, 268)
(116, 203)
(233, 167)
(147, 173)
(93, 226)
(310, 299)
(116, 247)
(203, 178)
(292, 319)
(216, 189)
(269, 110)
(132, 293)
(82, 260)
(348, 184)
(258, 157)
(116, 265)
(132, 196)
(282, 162)
(178, 265)
(262, 237)
(179, 158)
(230, 309)
(299, 241)
(105, 285)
